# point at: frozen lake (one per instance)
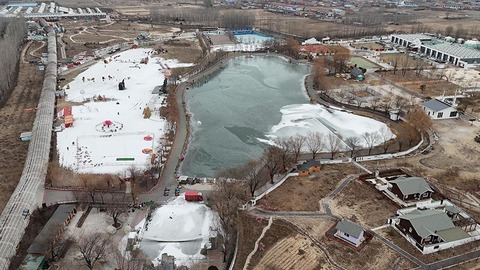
(236, 107)
(250, 102)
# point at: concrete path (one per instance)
(249, 257)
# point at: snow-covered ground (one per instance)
(247, 43)
(305, 118)
(91, 147)
(181, 229)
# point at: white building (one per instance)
(349, 232)
(437, 109)
(456, 54)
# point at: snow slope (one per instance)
(179, 228)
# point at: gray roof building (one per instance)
(428, 222)
(434, 222)
(349, 228)
(436, 105)
(412, 185)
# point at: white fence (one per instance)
(388, 156)
(29, 191)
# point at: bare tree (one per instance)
(371, 139)
(297, 143)
(272, 158)
(395, 61)
(250, 173)
(286, 146)
(12, 33)
(94, 247)
(404, 134)
(235, 19)
(116, 209)
(352, 142)
(375, 103)
(385, 136)
(398, 103)
(405, 63)
(225, 200)
(419, 120)
(333, 144)
(314, 143)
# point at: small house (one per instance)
(411, 188)
(437, 109)
(350, 232)
(308, 167)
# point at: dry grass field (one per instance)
(381, 256)
(363, 204)
(295, 252)
(17, 116)
(305, 193)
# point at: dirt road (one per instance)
(17, 116)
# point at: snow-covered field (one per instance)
(181, 229)
(90, 146)
(305, 118)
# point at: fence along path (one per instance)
(29, 191)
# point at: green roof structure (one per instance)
(349, 228)
(412, 185)
(428, 222)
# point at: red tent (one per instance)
(67, 111)
(107, 123)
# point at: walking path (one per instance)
(249, 257)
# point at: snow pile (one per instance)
(305, 118)
(93, 147)
(180, 229)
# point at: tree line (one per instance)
(12, 34)
(208, 17)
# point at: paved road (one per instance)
(454, 260)
(167, 178)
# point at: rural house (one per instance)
(350, 232)
(411, 188)
(437, 109)
(307, 167)
(430, 226)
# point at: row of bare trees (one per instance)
(12, 34)
(230, 19)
